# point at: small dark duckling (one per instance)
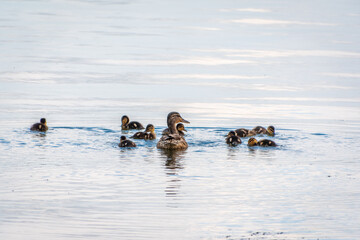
(126, 143)
(243, 132)
(126, 124)
(262, 143)
(143, 135)
(41, 126)
(151, 135)
(180, 127)
(261, 130)
(232, 139)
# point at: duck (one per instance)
(262, 143)
(126, 143)
(41, 126)
(145, 135)
(151, 135)
(232, 139)
(261, 130)
(243, 132)
(126, 124)
(173, 141)
(180, 127)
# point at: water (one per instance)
(222, 65)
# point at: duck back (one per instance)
(172, 141)
(135, 125)
(39, 127)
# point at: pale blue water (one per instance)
(222, 65)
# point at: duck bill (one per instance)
(184, 121)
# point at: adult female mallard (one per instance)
(262, 143)
(261, 130)
(180, 127)
(126, 124)
(149, 130)
(173, 140)
(126, 143)
(41, 126)
(243, 132)
(232, 139)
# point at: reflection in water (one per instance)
(262, 152)
(232, 153)
(173, 159)
(39, 135)
(39, 138)
(172, 165)
(252, 151)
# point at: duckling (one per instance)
(262, 143)
(126, 143)
(243, 132)
(143, 135)
(261, 130)
(126, 124)
(232, 139)
(173, 140)
(180, 127)
(271, 131)
(151, 132)
(41, 126)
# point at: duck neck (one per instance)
(172, 127)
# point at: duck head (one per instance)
(271, 130)
(122, 138)
(43, 121)
(177, 116)
(252, 142)
(231, 133)
(172, 119)
(180, 127)
(150, 128)
(125, 120)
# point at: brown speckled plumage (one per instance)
(173, 140)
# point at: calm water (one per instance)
(83, 64)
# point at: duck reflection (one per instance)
(173, 163)
(39, 138)
(232, 153)
(173, 159)
(39, 135)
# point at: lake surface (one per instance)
(223, 65)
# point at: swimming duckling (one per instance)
(243, 132)
(41, 126)
(151, 132)
(173, 140)
(126, 124)
(143, 135)
(126, 143)
(180, 127)
(232, 139)
(262, 143)
(261, 130)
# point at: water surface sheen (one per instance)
(223, 65)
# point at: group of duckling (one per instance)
(173, 136)
(233, 138)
